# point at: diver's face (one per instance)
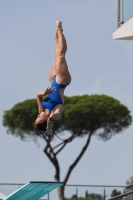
(41, 118)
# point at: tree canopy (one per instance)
(130, 182)
(115, 193)
(99, 114)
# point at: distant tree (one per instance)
(94, 196)
(74, 196)
(130, 182)
(115, 193)
(91, 196)
(79, 198)
(85, 115)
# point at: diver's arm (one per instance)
(40, 94)
(52, 118)
(49, 90)
(39, 100)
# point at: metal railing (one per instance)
(103, 192)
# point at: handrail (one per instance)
(122, 195)
(129, 187)
(74, 185)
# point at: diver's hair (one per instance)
(40, 127)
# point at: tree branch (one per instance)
(48, 150)
(65, 142)
(61, 148)
(49, 154)
(78, 158)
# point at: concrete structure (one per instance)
(124, 29)
(124, 32)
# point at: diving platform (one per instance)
(33, 190)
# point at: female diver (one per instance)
(51, 108)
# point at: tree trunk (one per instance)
(61, 192)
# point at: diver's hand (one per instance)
(49, 90)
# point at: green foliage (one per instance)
(99, 114)
(96, 112)
(19, 119)
(115, 193)
(91, 196)
(94, 196)
(130, 182)
(79, 198)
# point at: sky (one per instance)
(98, 65)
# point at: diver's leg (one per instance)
(52, 72)
(61, 69)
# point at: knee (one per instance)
(59, 55)
(61, 52)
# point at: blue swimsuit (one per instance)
(54, 99)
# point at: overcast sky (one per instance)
(98, 65)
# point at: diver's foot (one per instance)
(59, 25)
